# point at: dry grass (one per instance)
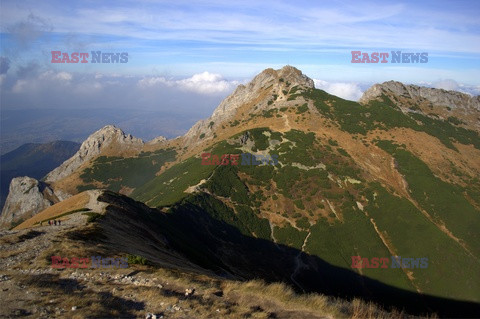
(280, 296)
(214, 298)
(56, 293)
(75, 202)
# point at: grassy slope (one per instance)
(245, 189)
(296, 184)
(337, 241)
(132, 172)
(355, 118)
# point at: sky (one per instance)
(184, 57)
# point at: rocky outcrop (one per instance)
(157, 140)
(251, 93)
(459, 108)
(27, 196)
(108, 136)
(437, 97)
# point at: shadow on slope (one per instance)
(211, 243)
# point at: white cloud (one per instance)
(41, 82)
(202, 83)
(446, 85)
(450, 28)
(19, 86)
(56, 76)
(88, 87)
(206, 83)
(152, 81)
(54, 89)
(345, 90)
(452, 85)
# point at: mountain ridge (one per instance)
(456, 107)
(370, 179)
(102, 139)
(244, 94)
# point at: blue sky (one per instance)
(208, 47)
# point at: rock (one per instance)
(438, 97)
(27, 197)
(4, 278)
(244, 138)
(20, 312)
(247, 94)
(441, 102)
(74, 308)
(108, 136)
(189, 292)
(158, 140)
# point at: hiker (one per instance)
(55, 222)
(59, 222)
(49, 223)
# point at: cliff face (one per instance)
(107, 137)
(27, 196)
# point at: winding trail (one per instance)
(299, 263)
(272, 234)
(287, 122)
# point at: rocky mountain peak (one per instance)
(108, 136)
(436, 97)
(267, 83)
(157, 140)
(27, 196)
(277, 80)
(286, 74)
(457, 107)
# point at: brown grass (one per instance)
(75, 202)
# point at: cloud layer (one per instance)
(345, 90)
(34, 87)
(449, 84)
(241, 39)
(201, 83)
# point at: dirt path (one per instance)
(299, 263)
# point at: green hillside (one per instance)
(331, 239)
(117, 172)
(317, 205)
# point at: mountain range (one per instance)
(396, 174)
(33, 160)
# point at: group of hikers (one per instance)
(54, 222)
